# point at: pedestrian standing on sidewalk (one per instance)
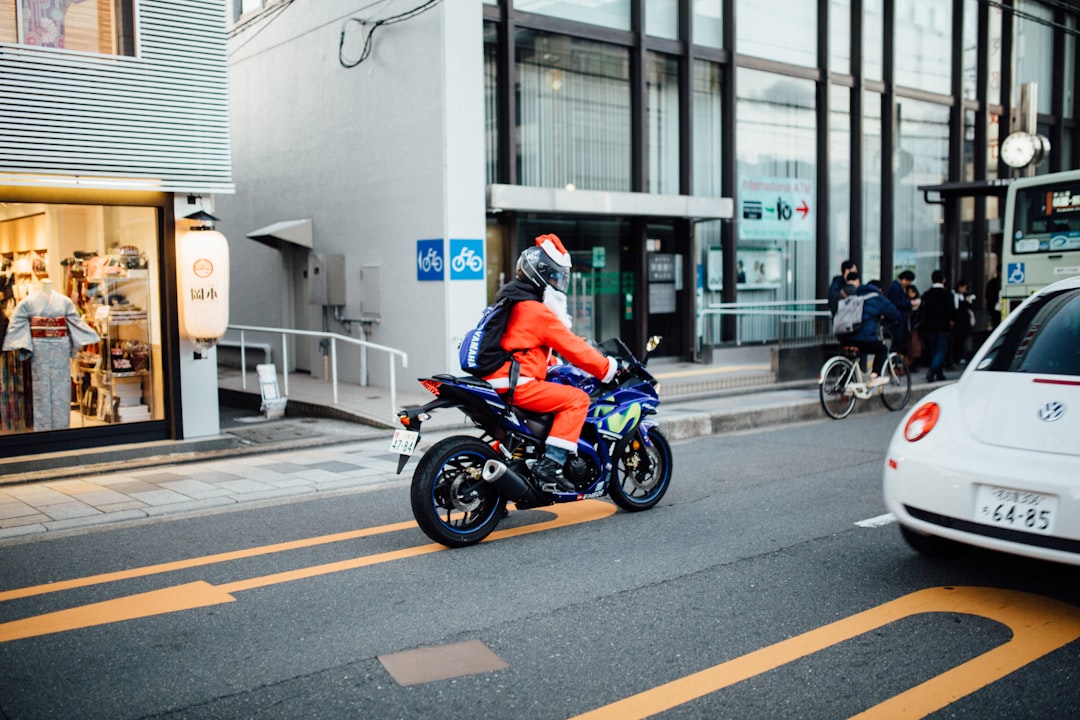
(937, 309)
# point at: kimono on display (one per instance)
(48, 329)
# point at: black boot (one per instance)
(551, 476)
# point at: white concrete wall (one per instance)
(379, 156)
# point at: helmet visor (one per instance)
(560, 280)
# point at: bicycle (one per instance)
(841, 382)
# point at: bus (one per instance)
(1042, 235)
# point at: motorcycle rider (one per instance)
(539, 325)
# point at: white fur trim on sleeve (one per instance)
(613, 365)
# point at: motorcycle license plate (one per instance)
(404, 442)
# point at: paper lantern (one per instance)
(203, 263)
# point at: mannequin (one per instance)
(47, 329)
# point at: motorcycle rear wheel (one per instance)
(642, 472)
(451, 502)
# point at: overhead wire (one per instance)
(372, 27)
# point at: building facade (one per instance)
(692, 154)
(114, 128)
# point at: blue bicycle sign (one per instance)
(466, 259)
(429, 259)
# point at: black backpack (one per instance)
(481, 353)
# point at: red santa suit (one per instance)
(535, 326)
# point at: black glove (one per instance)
(622, 373)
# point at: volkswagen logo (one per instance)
(1052, 411)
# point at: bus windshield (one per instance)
(1046, 218)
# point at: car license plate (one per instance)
(1016, 509)
(404, 442)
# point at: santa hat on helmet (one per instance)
(553, 247)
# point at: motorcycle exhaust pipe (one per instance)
(509, 482)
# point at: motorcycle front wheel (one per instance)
(451, 502)
(642, 472)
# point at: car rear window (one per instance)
(1044, 338)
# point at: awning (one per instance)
(297, 232)
(595, 202)
(977, 188)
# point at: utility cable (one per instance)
(372, 27)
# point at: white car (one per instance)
(993, 460)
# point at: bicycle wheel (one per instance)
(836, 399)
(897, 392)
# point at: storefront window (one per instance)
(708, 102)
(663, 123)
(789, 36)
(107, 28)
(573, 100)
(708, 23)
(82, 336)
(968, 76)
(873, 21)
(776, 167)
(662, 19)
(839, 176)
(608, 13)
(871, 245)
(923, 44)
(1035, 52)
(491, 104)
(840, 36)
(922, 156)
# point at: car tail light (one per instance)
(921, 422)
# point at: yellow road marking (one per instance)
(710, 371)
(200, 561)
(1040, 625)
(203, 594)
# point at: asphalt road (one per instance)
(749, 592)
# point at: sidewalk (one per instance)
(334, 448)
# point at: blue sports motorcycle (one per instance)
(462, 483)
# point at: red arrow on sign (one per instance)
(803, 209)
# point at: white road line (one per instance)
(878, 521)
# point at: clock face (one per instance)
(1018, 149)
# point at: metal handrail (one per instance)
(333, 338)
(744, 308)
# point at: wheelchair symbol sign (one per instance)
(1016, 273)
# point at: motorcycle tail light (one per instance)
(921, 422)
(432, 386)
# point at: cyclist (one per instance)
(868, 336)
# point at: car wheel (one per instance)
(929, 544)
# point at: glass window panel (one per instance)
(924, 42)
(608, 13)
(789, 36)
(491, 103)
(9, 29)
(1035, 53)
(840, 36)
(839, 175)
(777, 170)
(993, 51)
(573, 101)
(871, 250)
(707, 129)
(873, 39)
(969, 73)
(708, 23)
(662, 19)
(662, 93)
(922, 158)
(1070, 69)
(96, 26)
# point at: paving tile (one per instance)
(25, 520)
(66, 511)
(121, 507)
(37, 495)
(196, 489)
(16, 509)
(244, 487)
(284, 467)
(153, 498)
(101, 497)
(158, 477)
(214, 476)
(130, 487)
(335, 466)
(89, 520)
